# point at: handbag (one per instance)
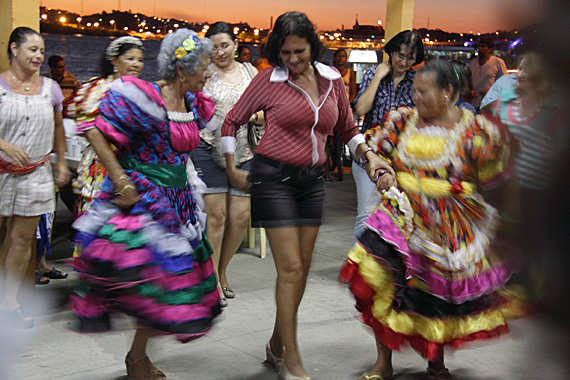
(254, 131)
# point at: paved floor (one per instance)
(334, 344)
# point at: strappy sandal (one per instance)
(41, 279)
(142, 369)
(55, 274)
(444, 374)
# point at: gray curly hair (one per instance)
(167, 61)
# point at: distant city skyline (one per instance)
(477, 16)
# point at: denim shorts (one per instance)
(213, 175)
(285, 196)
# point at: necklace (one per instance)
(26, 87)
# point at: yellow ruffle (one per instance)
(432, 187)
(421, 146)
(438, 330)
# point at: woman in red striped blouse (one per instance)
(302, 100)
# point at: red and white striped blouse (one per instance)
(296, 129)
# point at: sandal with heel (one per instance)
(142, 369)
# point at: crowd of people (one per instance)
(448, 158)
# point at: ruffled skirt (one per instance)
(91, 175)
(425, 313)
(151, 262)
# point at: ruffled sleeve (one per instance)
(489, 145)
(383, 138)
(130, 107)
(83, 106)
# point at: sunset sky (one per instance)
(449, 15)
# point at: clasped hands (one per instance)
(381, 173)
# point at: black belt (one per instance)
(294, 171)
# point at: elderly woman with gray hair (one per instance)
(144, 248)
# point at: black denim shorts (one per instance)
(212, 174)
(285, 196)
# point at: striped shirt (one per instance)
(296, 129)
(386, 98)
(68, 83)
(540, 135)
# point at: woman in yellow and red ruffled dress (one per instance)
(429, 270)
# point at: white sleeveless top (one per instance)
(27, 121)
(226, 96)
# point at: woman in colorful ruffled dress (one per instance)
(144, 248)
(429, 269)
(123, 56)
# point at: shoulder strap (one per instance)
(248, 68)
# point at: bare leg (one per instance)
(22, 234)
(383, 365)
(41, 265)
(216, 224)
(238, 215)
(138, 348)
(138, 364)
(292, 249)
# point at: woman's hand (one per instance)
(62, 174)
(127, 197)
(17, 155)
(239, 178)
(383, 69)
(380, 172)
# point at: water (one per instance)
(82, 54)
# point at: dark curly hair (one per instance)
(292, 24)
(408, 38)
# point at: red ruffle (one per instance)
(363, 294)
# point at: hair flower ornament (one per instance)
(188, 45)
(180, 53)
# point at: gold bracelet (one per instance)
(122, 192)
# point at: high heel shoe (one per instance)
(142, 369)
(285, 374)
(16, 318)
(273, 359)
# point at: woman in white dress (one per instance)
(30, 128)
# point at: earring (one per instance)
(236, 54)
(182, 78)
(115, 70)
(445, 102)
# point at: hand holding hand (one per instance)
(240, 179)
(381, 173)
